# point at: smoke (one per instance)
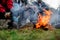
(55, 17)
(53, 3)
(22, 15)
(54, 6)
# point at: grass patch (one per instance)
(26, 34)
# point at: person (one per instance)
(5, 6)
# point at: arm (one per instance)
(2, 9)
(9, 4)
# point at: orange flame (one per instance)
(43, 20)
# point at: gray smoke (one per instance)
(26, 14)
(55, 17)
(22, 15)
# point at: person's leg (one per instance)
(2, 15)
(11, 22)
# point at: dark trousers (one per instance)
(2, 15)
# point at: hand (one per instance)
(7, 15)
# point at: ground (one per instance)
(27, 34)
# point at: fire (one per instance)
(43, 20)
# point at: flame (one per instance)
(43, 20)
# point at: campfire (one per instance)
(43, 20)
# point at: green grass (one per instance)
(26, 34)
